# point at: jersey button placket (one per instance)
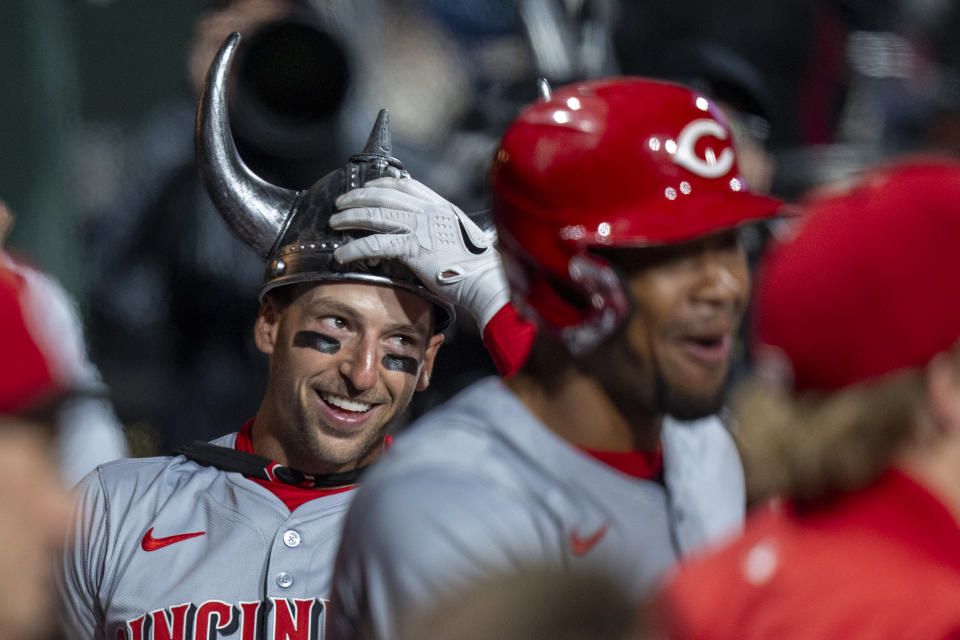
(291, 538)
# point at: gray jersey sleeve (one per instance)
(419, 536)
(83, 561)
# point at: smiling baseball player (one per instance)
(616, 204)
(235, 538)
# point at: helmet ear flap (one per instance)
(608, 305)
(582, 310)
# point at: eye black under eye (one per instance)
(404, 364)
(316, 341)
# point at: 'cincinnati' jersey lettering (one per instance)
(293, 619)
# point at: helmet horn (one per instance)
(253, 209)
(379, 141)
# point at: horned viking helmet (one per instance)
(286, 228)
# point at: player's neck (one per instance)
(578, 409)
(266, 441)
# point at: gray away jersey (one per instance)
(168, 549)
(479, 485)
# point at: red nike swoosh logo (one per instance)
(149, 543)
(580, 546)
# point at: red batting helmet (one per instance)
(622, 162)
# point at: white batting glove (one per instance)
(438, 242)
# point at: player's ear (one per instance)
(265, 328)
(431, 354)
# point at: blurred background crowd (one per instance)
(98, 162)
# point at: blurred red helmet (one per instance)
(27, 377)
(622, 162)
(44, 358)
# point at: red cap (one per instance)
(27, 377)
(868, 285)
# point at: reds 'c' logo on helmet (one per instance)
(711, 165)
(622, 162)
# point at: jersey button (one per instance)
(284, 579)
(291, 538)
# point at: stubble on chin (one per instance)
(326, 451)
(318, 452)
(688, 404)
(649, 392)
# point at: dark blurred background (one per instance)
(97, 159)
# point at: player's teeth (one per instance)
(343, 403)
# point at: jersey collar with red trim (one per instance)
(646, 465)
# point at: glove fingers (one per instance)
(418, 190)
(387, 182)
(376, 246)
(369, 219)
(387, 198)
(409, 186)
